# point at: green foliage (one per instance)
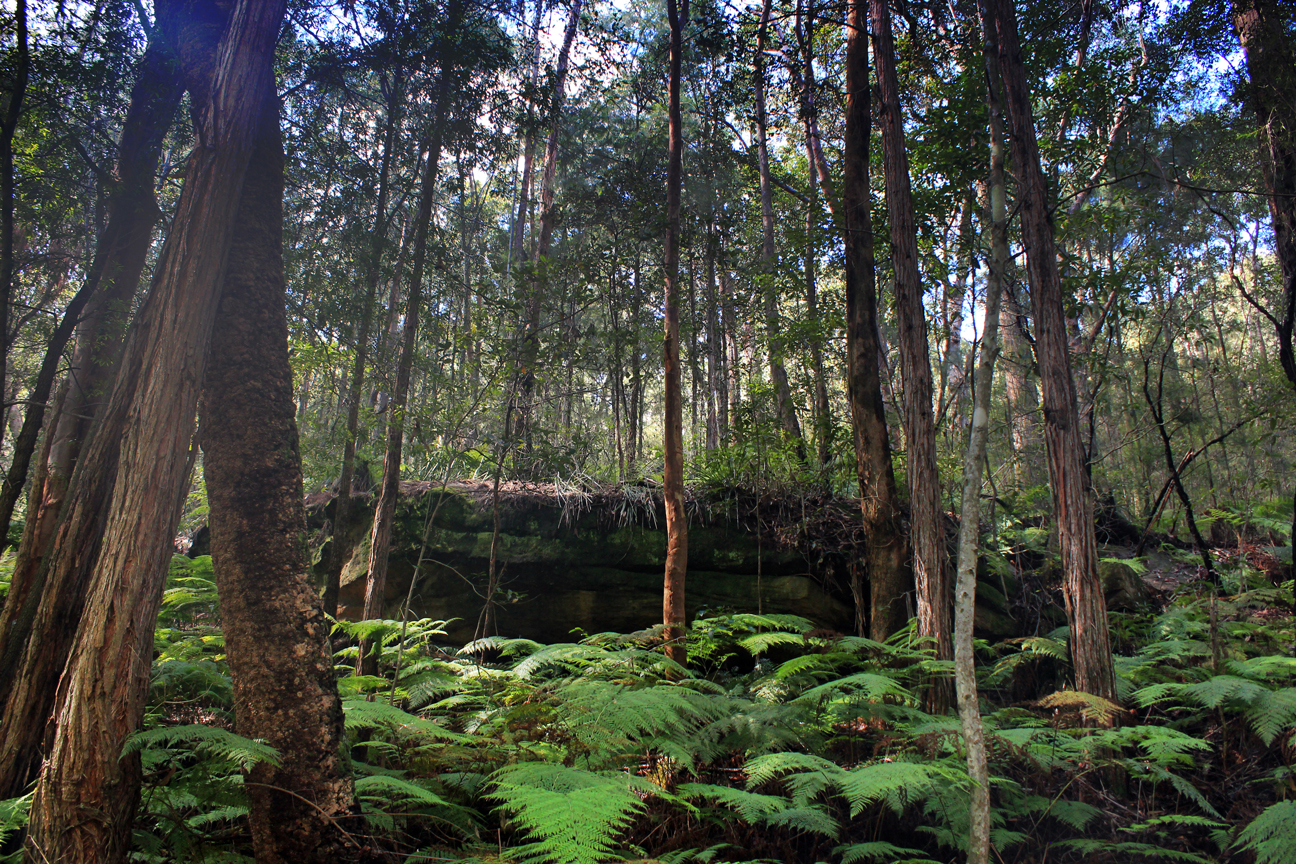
(573, 815)
(1272, 835)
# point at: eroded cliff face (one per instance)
(577, 562)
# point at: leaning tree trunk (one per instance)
(673, 615)
(887, 584)
(926, 518)
(276, 634)
(1271, 66)
(385, 510)
(110, 284)
(138, 464)
(1090, 641)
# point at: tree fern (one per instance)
(1272, 835)
(572, 815)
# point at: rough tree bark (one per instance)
(129, 486)
(926, 519)
(673, 615)
(1090, 641)
(385, 510)
(276, 634)
(887, 583)
(109, 286)
(1271, 65)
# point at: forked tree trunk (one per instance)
(129, 486)
(673, 614)
(784, 409)
(926, 518)
(385, 510)
(110, 284)
(276, 634)
(1271, 65)
(1090, 641)
(885, 553)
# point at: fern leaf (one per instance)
(860, 687)
(760, 643)
(221, 743)
(766, 768)
(363, 714)
(573, 815)
(877, 850)
(897, 783)
(1271, 713)
(1272, 835)
(753, 808)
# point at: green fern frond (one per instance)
(877, 850)
(221, 743)
(14, 815)
(1213, 692)
(1272, 713)
(1074, 814)
(805, 819)
(760, 643)
(859, 687)
(1107, 849)
(573, 815)
(363, 714)
(770, 767)
(751, 807)
(1271, 835)
(896, 783)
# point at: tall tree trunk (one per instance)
(885, 553)
(965, 683)
(926, 518)
(8, 128)
(343, 507)
(786, 412)
(276, 634)
(539, 277)
(673, 614)
(129, 486)
(385, 511)
(518, 234)
(1090, 641)
(1263, 29)
(803, 79)
(109, 286)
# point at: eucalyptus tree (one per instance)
(878, 496)
(1090, 640)
(673, 613)
(926, 518)
(105, 296)
(130, 483)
